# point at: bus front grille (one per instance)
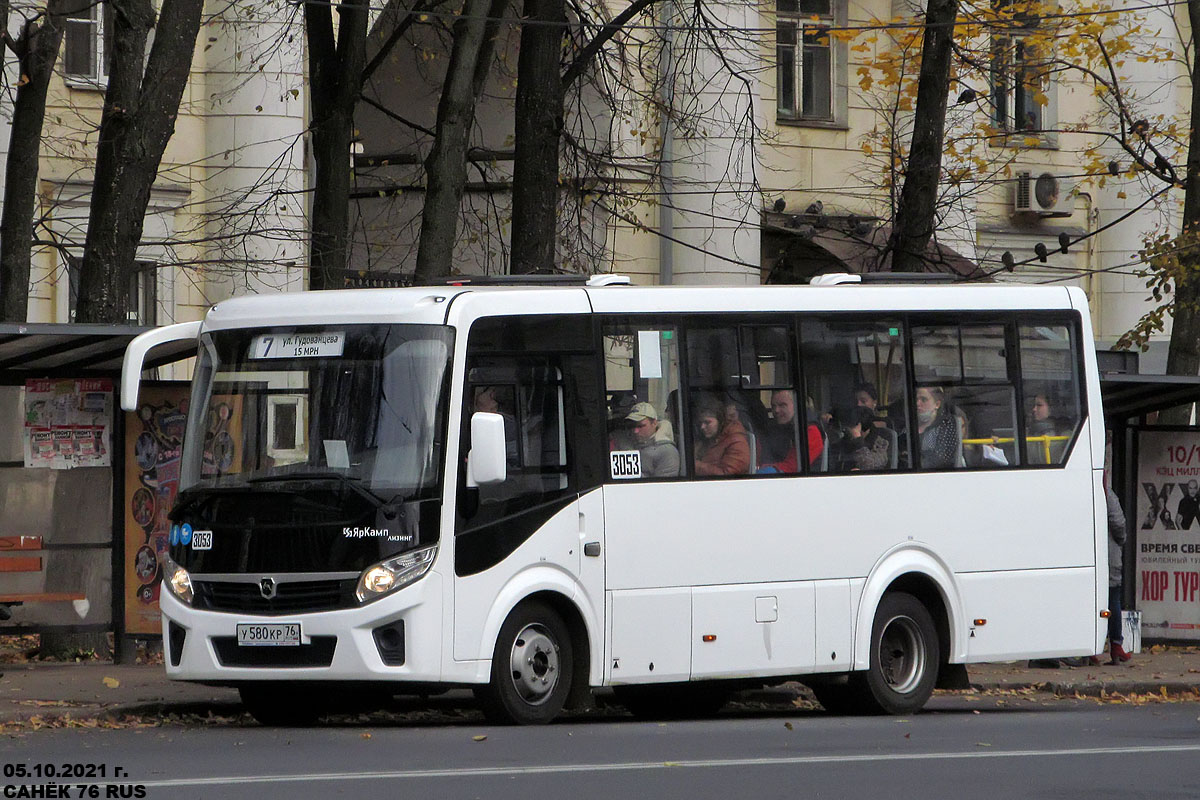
(318, 653)
(291, 597)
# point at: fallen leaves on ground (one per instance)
(1148, 698)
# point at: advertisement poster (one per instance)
(68, 423)
(153, 439)
(153, 446)
(1167, 522)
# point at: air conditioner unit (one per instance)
(1043, 193)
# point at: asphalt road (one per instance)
(991, 748)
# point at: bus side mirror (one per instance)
(487, 462)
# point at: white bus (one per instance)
(536, 491)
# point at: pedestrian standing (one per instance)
(1116, 547)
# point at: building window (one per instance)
(1022, 92)
(142, 302)
(806, 59)
(88, 41)
(1020, 87)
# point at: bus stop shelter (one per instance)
(62, 516)
(1154, 468)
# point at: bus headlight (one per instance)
(388, 576)
(176, 579)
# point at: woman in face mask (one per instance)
(937, 430)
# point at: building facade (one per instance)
(778, 156)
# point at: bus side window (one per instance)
(854, 379)
(1051, 392)
(641, 384)
(744, 405)
(968, 370)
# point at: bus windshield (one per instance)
(359, 405)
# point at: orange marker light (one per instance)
(980, 622)
(708, 637)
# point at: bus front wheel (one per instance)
(904, 657)
(531, 668)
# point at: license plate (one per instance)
(269, 634)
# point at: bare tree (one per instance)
(916, 212)
(539, 123)
(541, 88)
(336, 73)
(36, 50)
(140, 107)
(1183, 353)
(446, 167)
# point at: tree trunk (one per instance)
(137, 122)
(37, 51)
(446, 165)
(916, 212)
(336, 74)
(1183, 352)
(538, 127)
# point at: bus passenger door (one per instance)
(530, 533)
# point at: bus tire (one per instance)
(531, 668)
(905, 654)
(277, 706)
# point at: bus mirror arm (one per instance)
(135, 356)
(486, 462)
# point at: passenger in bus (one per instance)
(778, 445)
(1043, 423)
(972, 454)
(861, 447)
(937, 430)
(659, 459)
(722, 447)
(867, 396)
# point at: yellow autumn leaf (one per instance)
(111, 683)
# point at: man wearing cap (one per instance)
(660, 459)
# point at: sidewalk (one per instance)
(102, 690)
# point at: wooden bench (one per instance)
(22, 554)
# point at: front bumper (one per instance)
(336, 645)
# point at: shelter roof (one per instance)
(1128, 396)
(62, 350)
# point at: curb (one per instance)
(1097, 689)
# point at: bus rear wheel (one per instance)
(904, 657)
(531, 668)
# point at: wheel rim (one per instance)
(902, 654)
(534, 664)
